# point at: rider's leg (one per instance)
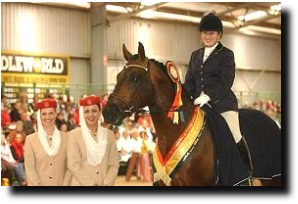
(232, 119)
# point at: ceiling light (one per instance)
(252, 16)
(275, 10)
(150, 14)
(148, 3)
(119, 9)
(76, 4)
(264, 30)
(276, 7)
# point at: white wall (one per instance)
(48, 29)
(254, 53)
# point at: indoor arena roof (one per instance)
(251, 18)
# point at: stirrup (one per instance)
(249, 157)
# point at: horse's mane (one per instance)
(160, 65)
(163, 67)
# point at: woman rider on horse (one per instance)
(209, 79)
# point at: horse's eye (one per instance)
(134, 78)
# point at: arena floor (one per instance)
(134, 181)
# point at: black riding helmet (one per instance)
(210, 22)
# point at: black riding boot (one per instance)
(246, 157)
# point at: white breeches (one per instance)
(232, 119)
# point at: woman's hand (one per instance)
(202, 100)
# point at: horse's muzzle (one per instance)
(112, 114)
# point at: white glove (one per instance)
(202, 100)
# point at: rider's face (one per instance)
(210, 38)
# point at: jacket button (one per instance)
(51, 164)
(50, 177)
(97, 172)
(202, 66)
(202, 86)
(202, 79)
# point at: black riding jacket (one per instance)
(215, 77)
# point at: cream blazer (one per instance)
(42, 169)
(85, 174)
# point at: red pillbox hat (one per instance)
(46, 103)
(90, 100)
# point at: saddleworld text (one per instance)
(28, 64)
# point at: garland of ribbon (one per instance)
(173, 113)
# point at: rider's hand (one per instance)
(202, 100)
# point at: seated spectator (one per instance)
(19, 128)
(124, 146)
(17, 148)
(15, 112)
(71, 122)
(32, 105)
(5, 117)
(136, 140)
(5, 102)
(10, 164)
(144, 168)
(28, 125)
(63, 127)
(60, 119)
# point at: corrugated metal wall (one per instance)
(253, 52)
(162, 40)
(49, 29)
(175, 41)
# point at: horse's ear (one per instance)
(141, 51)
(127, 55)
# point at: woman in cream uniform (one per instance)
(92, 154)
(45, 152)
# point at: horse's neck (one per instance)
(167, 132)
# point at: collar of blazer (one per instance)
(218, 48)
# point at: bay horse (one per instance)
(146, 82)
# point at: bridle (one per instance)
(137, 93)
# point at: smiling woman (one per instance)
(92, 153)
(45, 151)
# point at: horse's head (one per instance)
(133, 89)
